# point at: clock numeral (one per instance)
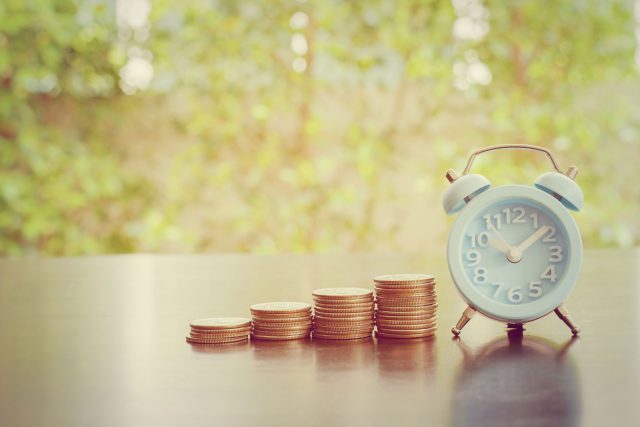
(499, 287)
(555, 254)
(535, 289)
(514, 295)
(534, 218)
(481, 239)
(488, 221)
(550, 274)
(473, 257)
(518, 215)
(550, 236)
(480, 275)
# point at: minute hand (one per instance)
(532, 239)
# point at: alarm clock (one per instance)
(515, 251)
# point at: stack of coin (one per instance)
(277, 321)
(343, 313)
(406, 306)
(219, 330)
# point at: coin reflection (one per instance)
(517, 380)
(343, 355)
(282, 350)
(400, 358)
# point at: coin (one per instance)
(344, 305)
(323, 318)
(405, 328)
(280, 307)
(341, 336)
(213, 334)
(405, 337)
(408, 307)
(340, 293)
(194, 340)
(221, 331)
(220, 323)
(271, 337)
(402, 317)
(403, 278)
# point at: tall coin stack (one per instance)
(219, 330)
(343, 313)
(406, 306)
(279, 321)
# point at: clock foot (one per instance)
(515, 327)
(464, 319)
(563, 314)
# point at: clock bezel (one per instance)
(514, 313)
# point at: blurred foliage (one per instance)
(301, 126)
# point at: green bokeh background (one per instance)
(228, 148)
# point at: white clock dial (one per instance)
(514, 252)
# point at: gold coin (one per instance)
(194, 340)
(401, 308)
(405, 337)
(220, 331)
(345, 307)
(220, 323)
(406, 307)
(282, 324)
(343, 304)
(404, 316)
(284, 333)
(399, 331)
(271, 337)
(402, 279)
(344, 313)
(344, 331)
(281, 317)
(324, 318)
(333, 326)
(282, 327)
(406, 328)
(323, 336)
(212, 333)
(406, 288)
(280, 307)
(404, 293)
(403, 299)
(341, 293)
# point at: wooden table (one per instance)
(100, 341)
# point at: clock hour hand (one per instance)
(497, 241)
(531, 239)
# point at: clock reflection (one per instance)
(517, 381)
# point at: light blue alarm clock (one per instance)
(514, 251)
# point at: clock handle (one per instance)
(563, 314)
(467, 314)
(571, 172)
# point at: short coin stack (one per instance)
(343, 313)
(219, 330)
(279, 321)
(406, 306)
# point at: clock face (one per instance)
(514, 253)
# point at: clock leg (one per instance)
(464, 319)
(563, 314)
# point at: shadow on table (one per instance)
(517, 380)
